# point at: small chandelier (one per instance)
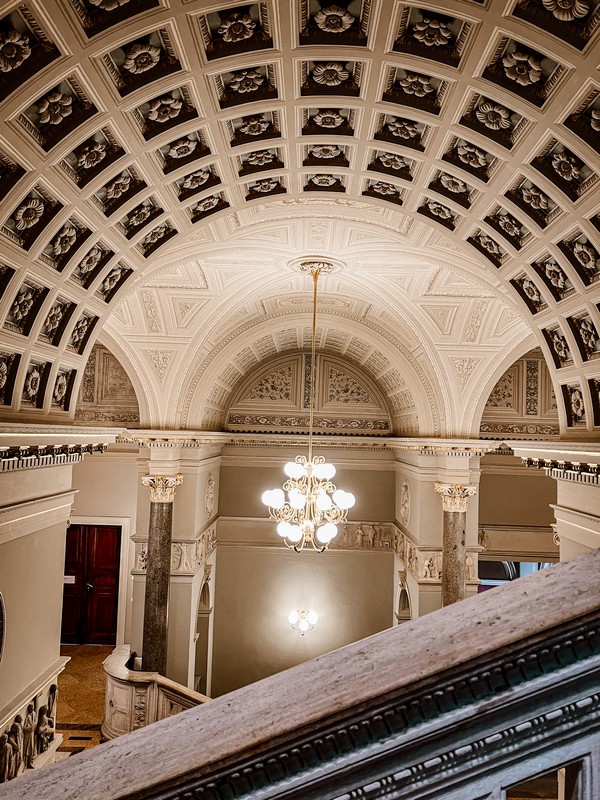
(313, 508)
(303, 621)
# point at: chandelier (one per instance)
(309, 507)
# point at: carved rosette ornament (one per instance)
(455, 496)
(162, 487)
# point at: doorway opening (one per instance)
(91, 584)
(202, 638)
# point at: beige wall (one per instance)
(31, 570)
(107, 485)
(242, 487)
(258, 586)
(511, 494)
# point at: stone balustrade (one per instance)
(135, 699)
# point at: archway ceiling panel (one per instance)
(162, 162)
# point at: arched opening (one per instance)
(403, 614)
(203, 661)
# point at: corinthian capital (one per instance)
(162, 487)
(455, 496)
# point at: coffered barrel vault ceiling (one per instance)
(162, 163)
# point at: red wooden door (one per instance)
(91, 589)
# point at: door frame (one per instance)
(125, 563)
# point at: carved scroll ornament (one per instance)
(455, 496)
(162, 487)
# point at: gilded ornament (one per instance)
(207, 203)
(32, 383)
(328, 119)
(535, 198)
(266, 185)
(381, 187)
(333, 19)
(438, 210)
(237, 27)
(162, 109)
(509, 225)
(392, 161)
(488, 244)
(325, 151)
(402, 129)
(432, 32)
(471, 155)
(91, 155)
(523, 68)
(90, 261)
(453, 184)
(577, 404)
(587, 256)
(139, 215)
(248, 80)
(22, 305)
(559, 344)
(154, 235)
(555, 274)
(418, 85)
(60, 388)
(29, 213)
(53, 319)
(64, 240)
(567, 10)
(196, 179)
(330, 74)
(254, 125)
(109, 5)
(493, 116)
(14, 50)
(118, 187)
(111, 280)
(141, 57)
(182, 148)
(54, 108)
(323, 180)
(531, 290)
(260, 158)
(566, 166)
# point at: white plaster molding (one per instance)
(23, 518)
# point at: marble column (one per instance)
(455, 498)
(158, 570)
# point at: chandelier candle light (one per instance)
(313, 508)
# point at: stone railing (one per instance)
(463, 703)
(134, 699)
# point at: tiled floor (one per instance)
(80, 706)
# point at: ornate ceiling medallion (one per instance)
(309, 263)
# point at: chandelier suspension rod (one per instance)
(315, 274)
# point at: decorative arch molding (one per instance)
(474, 404)
(215, 368)
(135, 377)
(480, 399)
(275, 398)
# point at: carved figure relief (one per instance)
(209, 497)
(404, 503)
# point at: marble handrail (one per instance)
(454, 704)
